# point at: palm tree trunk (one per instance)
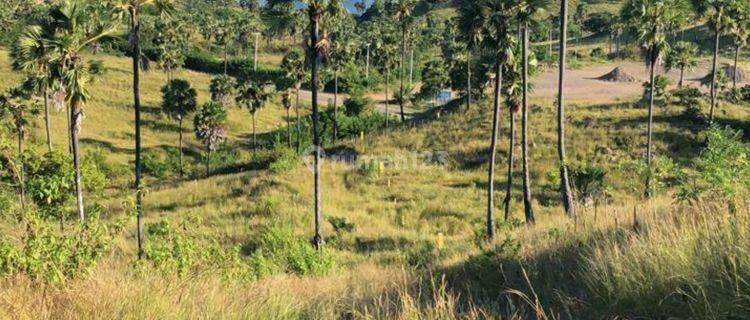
(567, 196)
(468, 79)
(21, 178)
(335, 105)
(387, 83)
(649, 191)
(136, 29)
(682, 76)
(314, 38)
(735, 71)
(717, 36)
(403, 58)
(70, 136)
(527, 205)
(288, 130)
(493, 153)
(299, 130)
(255, 54)
(182, 172)
(46, 118)
(255, 141)
(75, 118)
(411, 65)
(511, 160)
(367, 68)
(208, 160)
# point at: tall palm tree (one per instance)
(512, 91)
(527, 12)
(32, 54)
(565, 191)
(402, 11)
(342, 48)
(469, 25)
(178, 101)
(498, 16)
(133, 9)
(719, 21)
(682, 57)
(740, 14)
(293, 65)
(254, 98)
(653, 20)
(67, 44)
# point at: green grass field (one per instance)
(413, 209)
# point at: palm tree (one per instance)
(529, 8)
(402, 10)
(254, 98)
(386, 51)
(221, 89)
(682, 57)
(653, 20)
(66, 44)
(31, 54)
(171, 41)
(341, 52)
(565, 191)
(133, 9)
(469, 25)
(511, 90)
(18, 106)
(178, 101)
(719, 21)
(293, 65)
(498, 16)
(210, 127)
(740, 14)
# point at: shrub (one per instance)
(154, 165)
(279, 250)
(721, 169)
(589, 182)
(46, 255)
(597, 52)
(287, 160)
(358, 105)
(170, 251)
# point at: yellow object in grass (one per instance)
(440, 241)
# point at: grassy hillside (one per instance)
(391, 262)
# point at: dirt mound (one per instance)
(728, 70)
(741, 74)
(617, 75)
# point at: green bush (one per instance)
(358, 105)
(279, 250)
(154, 166)
(287, 160)
(50, 256)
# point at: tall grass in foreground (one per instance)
(676, 261)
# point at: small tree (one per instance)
(210, 128)
(221, 88)
(682, 57)
(17, 108)
(254, 98)
(434, 78)
(293, 66)
(178, 101)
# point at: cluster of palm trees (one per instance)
(50, 53)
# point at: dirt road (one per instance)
(581, 85)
